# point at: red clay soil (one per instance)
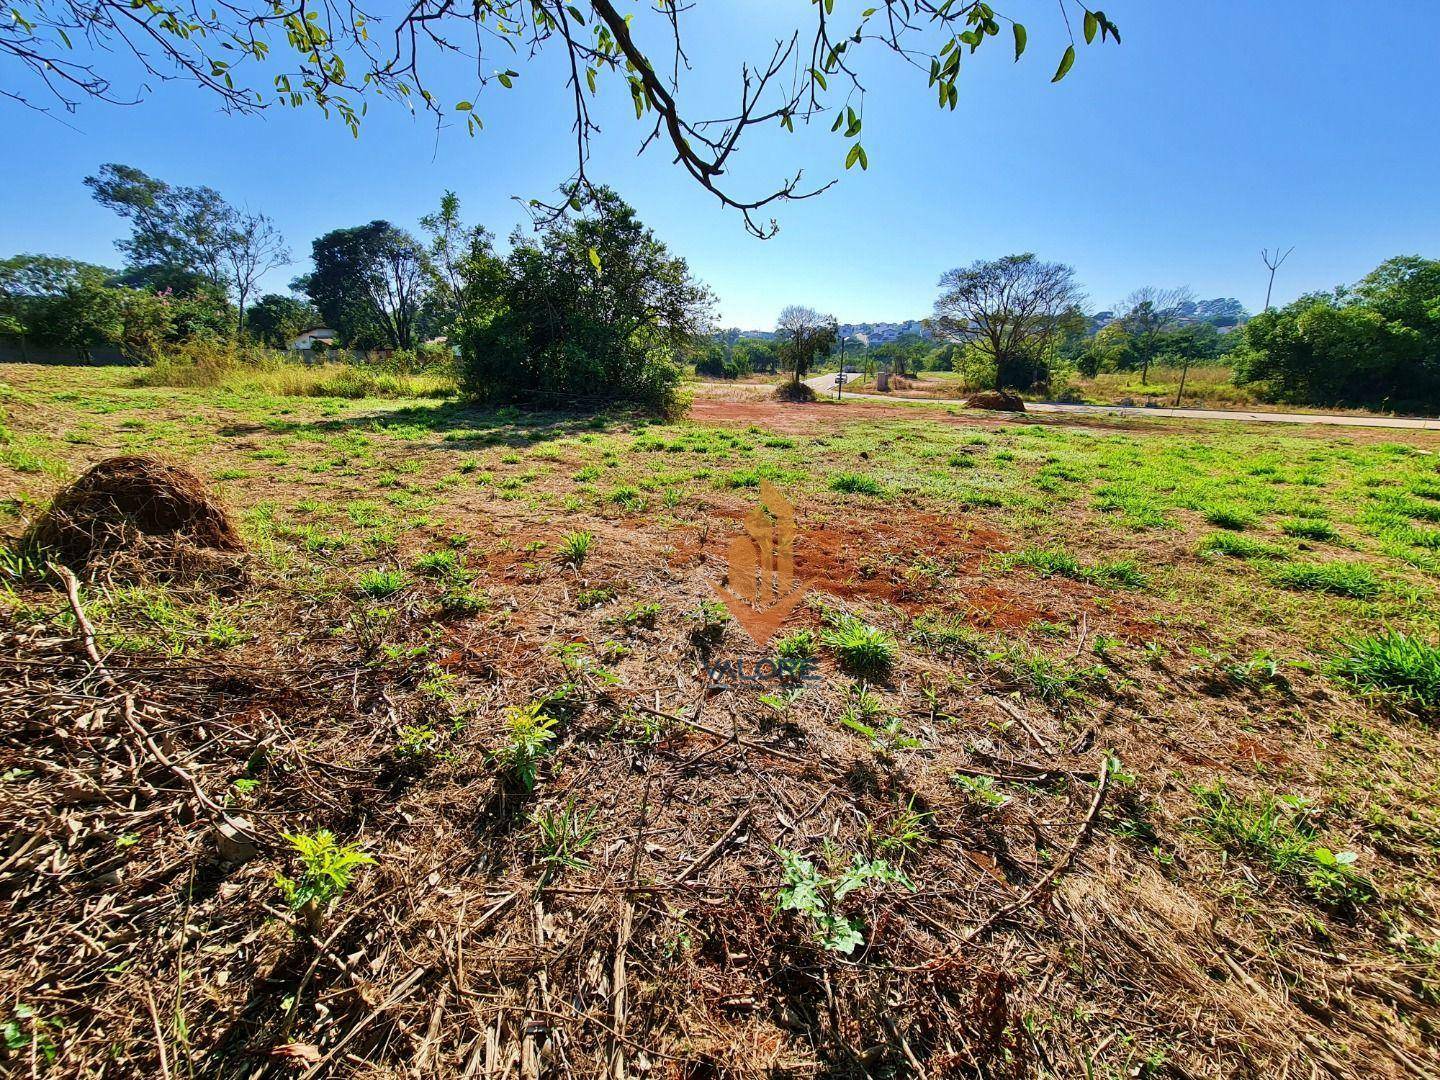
(793, 416)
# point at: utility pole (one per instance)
(1273, 262)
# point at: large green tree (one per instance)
(276, 320)
(593, 309)
(369, 284)
(461, 265)
(804, 335)
(184, 237)
(335, 55)
(1376, 343)
(1011, 311)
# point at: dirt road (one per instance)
(825, 384)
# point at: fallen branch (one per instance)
(1040, 887)
(127, 699)
(709, 854)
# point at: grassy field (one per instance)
(1121, 758)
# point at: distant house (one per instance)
(306, 341)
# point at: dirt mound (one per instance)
(793, 391)
(998, 400)
(129, 502)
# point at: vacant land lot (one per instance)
(1120, 761)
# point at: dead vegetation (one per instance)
(153, 516)
(724, 846)
(995, 401)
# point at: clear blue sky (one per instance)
(1218, 127)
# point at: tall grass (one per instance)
(266, 372)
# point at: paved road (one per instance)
(825, 384)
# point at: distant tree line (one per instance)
(590, 308)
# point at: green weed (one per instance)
(529, 733)
(1282, 832)
(1355, 580)
(326, 870)
(378, 584)
(575, 546)
(564, 836)
(816, 897)
(861, 650)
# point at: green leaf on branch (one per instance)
(1066, 63)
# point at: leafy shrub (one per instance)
(593, 310)
(1339, 578)
(1392, 663)
(709, 621)
(459, 600)
(980, 790)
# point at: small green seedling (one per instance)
(326, 869)
(530, 732)
(574, 546)
(816, 897)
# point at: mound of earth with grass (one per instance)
(795, 391)
(133, 503)
(996, 401)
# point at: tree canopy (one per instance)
(181, 237)
(369, 283)
(337, 57)
(1010, 310)
(804, 335)
(1377, 343)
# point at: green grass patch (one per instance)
(1355, 580)
(1281, 831)
(1392, 663)
(1236, 546)
(1229, 517)
(378, 584)
(850, 483)
(861, 650)
(1310, 529)
(1050, 562)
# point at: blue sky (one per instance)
(1215, 129)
